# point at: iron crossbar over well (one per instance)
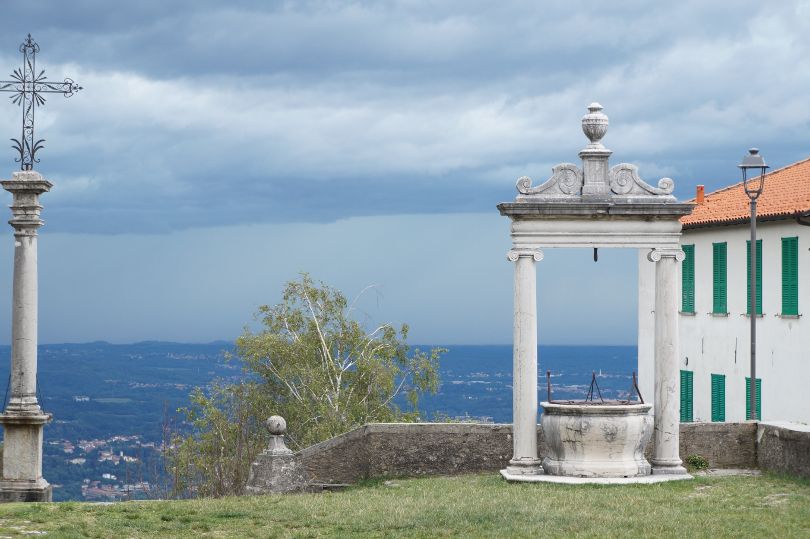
(27, 88)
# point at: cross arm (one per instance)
(67, 87)
(10, 86)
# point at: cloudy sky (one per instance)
(219, 148)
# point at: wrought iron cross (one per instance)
(27, 88)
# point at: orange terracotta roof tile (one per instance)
(786, 193)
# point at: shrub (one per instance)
(697, 462)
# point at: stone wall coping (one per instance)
(358, 433)
(403, 428)
(787, 425)
(435, 427)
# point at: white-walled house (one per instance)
(714, 321)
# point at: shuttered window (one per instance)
(748, 276)
(718, 397)
(688, 280)
(719, 252)
(790, 276)
(686, 396)
(748, 398)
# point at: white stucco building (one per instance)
(714, 319)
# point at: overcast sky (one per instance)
(219, 148)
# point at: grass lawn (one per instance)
(467, 506)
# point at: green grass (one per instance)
(467, 506)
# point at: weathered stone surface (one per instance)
(277, 470)
(22, 419)
(342, 459)
(784, 448)
(724, 445)
(588, 440)
(436, 448)
(25, 491)
(411, 449)
(276, 474)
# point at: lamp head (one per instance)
(754, 163)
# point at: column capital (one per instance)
(514, 254)
(26, 186)
(26, 181)
(656, 255)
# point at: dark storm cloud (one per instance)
(201, 113)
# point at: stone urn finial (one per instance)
(595, 124)
(277, 427)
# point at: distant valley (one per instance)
(111, 402)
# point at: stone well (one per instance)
(587, 439)
(595, 206)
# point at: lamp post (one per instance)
(753, 188)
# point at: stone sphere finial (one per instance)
(595, 124)
(276, 425)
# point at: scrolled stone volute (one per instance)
(276, 425)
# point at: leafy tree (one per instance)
(315, 365)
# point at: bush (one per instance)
(697, 462)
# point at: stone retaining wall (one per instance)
(408, 449)
(784, 448)
(724, 445)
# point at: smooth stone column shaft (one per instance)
(666, 458)
(524, 378)
(24, 324)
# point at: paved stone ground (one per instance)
(646, 479)
(724, 472)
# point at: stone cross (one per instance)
(23, 420)
(27, 87)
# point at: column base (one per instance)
(525, 466)
(676, 469)
(25, 491)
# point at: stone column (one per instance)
(666, 458)
(23, 420)
(524, 377)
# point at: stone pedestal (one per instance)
(23, 420)
(277, 470)
(595, 156)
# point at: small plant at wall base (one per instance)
(697, 462)
(311, 363)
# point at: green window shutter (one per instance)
(748, 398)
(790, 275)
(748, 276)
(718, 397)
(688, 280)
(686, 396)
(719, 253)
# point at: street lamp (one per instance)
(753, 188)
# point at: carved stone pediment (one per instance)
(595, 181)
